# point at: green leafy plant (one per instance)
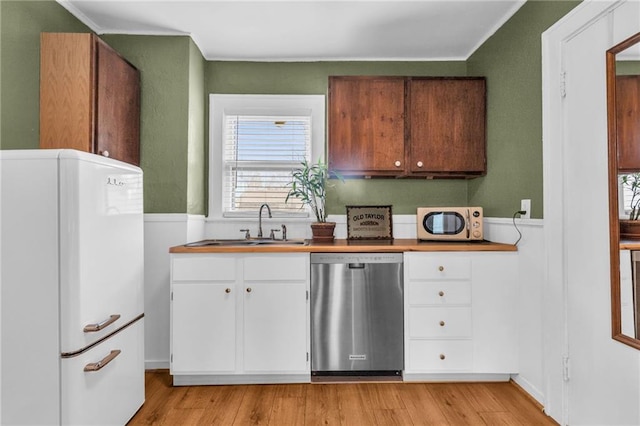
(308, 184)
(632, 181)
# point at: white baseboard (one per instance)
(529, 388)
(156, 365)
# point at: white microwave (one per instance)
(450, 223)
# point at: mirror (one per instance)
(623, 117)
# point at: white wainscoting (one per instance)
(530, 301)
(163, 231)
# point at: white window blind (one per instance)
(259, 153)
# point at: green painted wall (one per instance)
(627, 67)
(511, 60)
(176, 82)
(21, 23)
(172, 116)
(312, 78)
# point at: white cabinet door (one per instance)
(275, 327)
(203, 328)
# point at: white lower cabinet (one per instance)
(460, 319)
(244, 317)
(239, 318)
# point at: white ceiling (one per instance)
(307, 30)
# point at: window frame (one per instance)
(221, 104)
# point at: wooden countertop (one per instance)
(629, 244)
(346, 246)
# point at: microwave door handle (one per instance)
(468, 221)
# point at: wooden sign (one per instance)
(369, 223)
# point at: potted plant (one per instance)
(308, 184)
(630, 228)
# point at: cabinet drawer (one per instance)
(440, 268)
(440, 355)
(203, 268)
(277, 267)
(440, 293)
(440, 322)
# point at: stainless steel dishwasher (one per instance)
(357, 314)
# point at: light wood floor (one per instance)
(337, 404)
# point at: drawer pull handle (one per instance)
(442, 356)
(441, 268)
(441, 323)
(105, 153)
(96, 366)
(441, 293)
(249, 290)
(227, 290)
(397, 163)
(420, 164)
(92, 328)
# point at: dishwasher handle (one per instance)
(356, 266)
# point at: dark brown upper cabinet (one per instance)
(407, 126)
(89, 97)
(367, 125)
(628, 122)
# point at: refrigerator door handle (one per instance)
(96, 366)
(91, 328)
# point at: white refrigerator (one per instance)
(71, 281)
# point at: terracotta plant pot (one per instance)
(630, 229)
(323, 231)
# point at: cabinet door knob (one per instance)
(398, 163)
(420, 164)
(248, 289)
(441, 323)
(227, 290)
(105, 153)
(441, 268)
(441, 293)
(442, 356)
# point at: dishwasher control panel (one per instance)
(336, 258)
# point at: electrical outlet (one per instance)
(525, 205)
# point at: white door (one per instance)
(101, 246)
(203, 338)
(600, 384)
(275, 327)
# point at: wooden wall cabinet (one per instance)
(366, 125)
(628, 122)
(407, 126)
(89, 97)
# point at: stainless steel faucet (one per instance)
(260, 218)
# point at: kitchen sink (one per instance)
(249, 242)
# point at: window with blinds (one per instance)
(259, 153)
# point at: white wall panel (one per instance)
(162, 231)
